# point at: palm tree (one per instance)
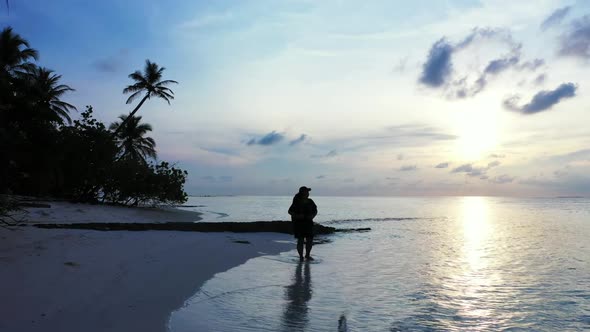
(130, 136)
(150, 82)
(15, 52)
(15, 55)
(45, 92)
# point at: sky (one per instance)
(349, 98)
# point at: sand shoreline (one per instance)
(85, 280)
(65, 212)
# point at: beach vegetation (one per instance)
(131, 140)
(49, 150)
(8, 206)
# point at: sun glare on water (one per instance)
(476, 226)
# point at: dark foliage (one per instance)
(8, 206)
(133, 182)
(87, 156)
(44, 153)
(132, 141)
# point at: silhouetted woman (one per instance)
(302, 212)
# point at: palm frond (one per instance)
(62, 114)
(164, 89)
(137, 76)
(64, 105)
(166, 82)
(134, 88)
(133, 97)
(166, 96)
(144, 127)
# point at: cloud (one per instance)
(543, 100)
(531, 65)
(576, 41)
(555, 18)
(442, 165)
(495, 155)
(469, 170)
(330, 154)
(494, 164)
(475, 172)
(107, 65)
(112, 63)
(221, 150)
(484, 33)
(401, 65)
(437, 71)
(400, 156)
(319, 177)
(437, 68)
(408, 168)
(419, 131)
(268, 139)
(494, 67)
(463, 168)
(504, 178)
(298, 140)
(499, 65)
(539, 80)
(571, 156)
(399, 136)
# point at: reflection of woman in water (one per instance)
(297, 295)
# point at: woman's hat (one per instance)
(304, 189)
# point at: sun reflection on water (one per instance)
(475, 279)
(476, 230)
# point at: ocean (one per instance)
(428, 264)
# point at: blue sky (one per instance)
(347, 97)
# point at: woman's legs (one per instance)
(308, 245)
(300, 247)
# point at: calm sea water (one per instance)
(428, 264)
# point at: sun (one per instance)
(478, 134)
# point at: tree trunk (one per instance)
(122, 125)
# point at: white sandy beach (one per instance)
(64, 212)
(80, 280)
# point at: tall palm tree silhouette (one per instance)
(130, 136)
(15, 53)
(150, 82)
(46, 91)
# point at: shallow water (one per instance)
(429, 264)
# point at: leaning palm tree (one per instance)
(130, 136)
(45, 93)
(149, 82)
(15, 52)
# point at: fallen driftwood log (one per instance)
(236, 227)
